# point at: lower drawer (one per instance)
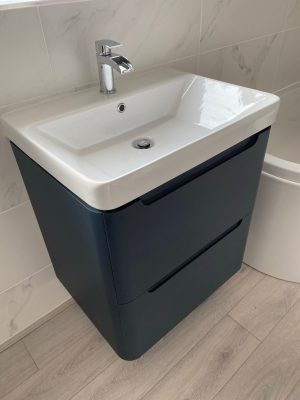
(145, 320)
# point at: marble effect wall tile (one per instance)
(289, 65)
(293, 16)
(22, 247)
(153, 32)
(12, 189)
(31, 300)
(25, 68)
(251, 64)
(226, 22)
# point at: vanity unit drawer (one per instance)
(154, 313)
(160, 231)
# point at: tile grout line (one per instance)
(285, 20)
(292, 86)
(35, 325)
(31, 101)
(47, 48)
(44, 97)
(41, 369)
(200, 36)
(14, 207)
(278, 61)
(161, 65)
(16, 5)
(26, 279)
(248, 40)
(73, 344)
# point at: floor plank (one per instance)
(208, 366)
(16, 366)
(64, 376)
(273, 370)
(264, 306)
(123, 380)
(57, 335)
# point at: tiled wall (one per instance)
(253, 43)
(51, 49)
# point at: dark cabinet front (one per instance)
(138, 270)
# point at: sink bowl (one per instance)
(86, 143)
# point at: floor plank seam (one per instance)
(33, 373)
(246, 329)
(278, 322)
(22, 335)
(240, 367)
(257, 349)
(31, 356)
(185, 355)
(249, 291)
(50, 319)
(92, 380)
(14, 388)
(40, 368)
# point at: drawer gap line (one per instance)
(193, 257)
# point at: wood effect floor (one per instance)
(242, 343)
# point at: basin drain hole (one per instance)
(121, 107)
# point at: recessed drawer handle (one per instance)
(202, 169)
(169, 276)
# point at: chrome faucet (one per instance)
(107, 61)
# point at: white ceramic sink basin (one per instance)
(85, 143)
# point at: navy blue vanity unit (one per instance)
(138, 270)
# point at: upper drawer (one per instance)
(158, 232)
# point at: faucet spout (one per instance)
(121, 64)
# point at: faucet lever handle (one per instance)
(104, 46)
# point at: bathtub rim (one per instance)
(281, 168)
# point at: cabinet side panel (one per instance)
(75, 238)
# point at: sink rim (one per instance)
(110, 191)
